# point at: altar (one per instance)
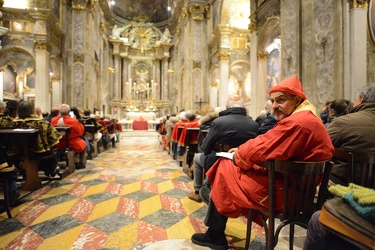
(147, 116)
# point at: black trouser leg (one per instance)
(214, 220)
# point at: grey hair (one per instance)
(235, 103)
(367, 92)
(64, 109)
(3, 105)
(190, 115)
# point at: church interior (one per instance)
(142, 60)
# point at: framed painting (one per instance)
(30, 80)
(10, 80)
(273, 68)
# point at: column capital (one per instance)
(253, 25)
(42, 45)
(224, 56)
(359, 4)
(262, 55)
(196, 11)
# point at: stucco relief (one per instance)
(78, 34)
(78, 73)
(324, 49)
(197, 43)
(289, 33)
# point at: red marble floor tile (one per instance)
(198, 225)
(149, 187)
(82, 210)
(78, 190)
(172, 204)
(40, 192)
(182, 185)
(114, 188)
(105, 177)
(128, 207)
(74, 177)
(27, 239)
(28, 215)
(150, 233)
(90, 238)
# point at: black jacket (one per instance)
(232, 127)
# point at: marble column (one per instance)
(116, 77)
(42, 96)
(256, 102)
(358, 46)
(124, 79)
(223, 79)
(56, 92)
(164, 88)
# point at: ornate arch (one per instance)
(270, 31)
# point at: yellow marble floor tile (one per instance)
(149, 206)
(104, 208)
(55, 211)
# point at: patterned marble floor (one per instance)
(133, 196)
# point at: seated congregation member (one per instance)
(354, 131)
(54, 112)
(104, 131)
(75, 135)
(324, 114)
(338, 107)
(9, 172)
(47, 138)
(5, 120)
(233, 127)
(240, 184)
(94, 134)
(172, 120)
(174, 137)
(267, 120)
(191, 122)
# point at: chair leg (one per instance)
(248, 228)
(291, 236)
(6, 197)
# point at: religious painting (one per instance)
(371, 21)
(10, 80)
(273, 69)
(55, 7)
(30, 80)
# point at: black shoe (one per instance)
(204, 193)
(211, 239)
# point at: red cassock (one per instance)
(194, 137)
(76, 131)
(175, 135)
(301, 136)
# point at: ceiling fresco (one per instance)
(155, 10)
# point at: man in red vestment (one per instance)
(240, 184)
(76, 132)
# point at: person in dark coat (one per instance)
(233, 127)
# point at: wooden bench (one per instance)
(191, 147)
(30, 164)
(90, 136)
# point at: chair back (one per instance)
(361, 166)
(300, 184)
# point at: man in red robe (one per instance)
(240, 184)
(75, 136)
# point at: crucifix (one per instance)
(200, 103)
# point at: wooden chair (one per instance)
(301, 180)
(361, 166)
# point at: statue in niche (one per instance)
(166, 37)
(116, 31)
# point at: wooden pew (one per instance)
(90, 135)
(30, 164)
(191, 147)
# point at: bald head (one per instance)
(64, 109)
